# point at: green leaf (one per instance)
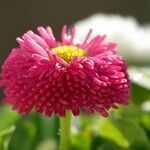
(25, 135)
(133, 132)
(81, 141)
(139, 94)
(110, 131)
(99, 143)
(7, 116)
(32, 130)
(109, 146)
(5, 137)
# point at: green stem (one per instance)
(65, 131)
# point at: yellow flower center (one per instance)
(68, 52)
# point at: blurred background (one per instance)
(126, 22)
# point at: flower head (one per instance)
(53, 76)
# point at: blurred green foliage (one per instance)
(127, 128)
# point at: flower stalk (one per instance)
(65, 131)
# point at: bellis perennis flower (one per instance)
(53, 76)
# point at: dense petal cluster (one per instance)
(35, 77)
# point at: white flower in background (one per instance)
(133, 39)
(140, 76)
(146, 106)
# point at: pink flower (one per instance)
(55, 76)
